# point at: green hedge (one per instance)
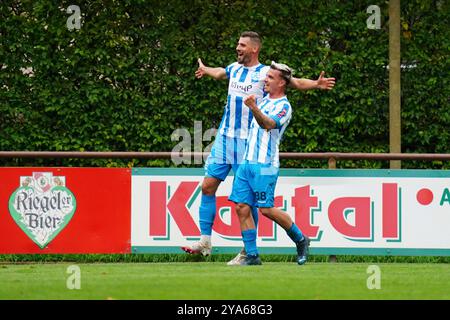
(125, 80)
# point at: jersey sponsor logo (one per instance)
(242, 87)
(282, 113)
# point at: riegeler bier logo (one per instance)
(42, 206)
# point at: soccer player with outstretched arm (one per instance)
(246, 77)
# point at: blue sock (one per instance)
(249, 238)
(207, 214)
(255, 216)
(294, 233)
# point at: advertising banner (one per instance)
(65, 210)
(383, 212)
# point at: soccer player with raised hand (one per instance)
(256, 178)
(246, 77)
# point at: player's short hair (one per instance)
(286, 72)
(254, 37)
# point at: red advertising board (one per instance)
(65, 210)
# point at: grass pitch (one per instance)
(215, 280)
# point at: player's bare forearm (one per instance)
(264, 121)
(303, 84)
(215, 73)
(307, 84)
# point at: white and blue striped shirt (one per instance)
(243, 81)
(262, 144)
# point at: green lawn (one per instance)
(215, 280)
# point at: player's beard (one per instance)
(244, 58)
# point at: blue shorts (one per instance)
(254, 184)
(226, 154)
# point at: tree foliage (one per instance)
(125, 80)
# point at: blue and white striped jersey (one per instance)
(263, 145)
(243, 81)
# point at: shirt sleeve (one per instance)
(229, 68)
(262, 77)
(281, 114)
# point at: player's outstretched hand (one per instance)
(250, 101)
(325, 83)
(201, 69)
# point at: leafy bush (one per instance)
(125, 80)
